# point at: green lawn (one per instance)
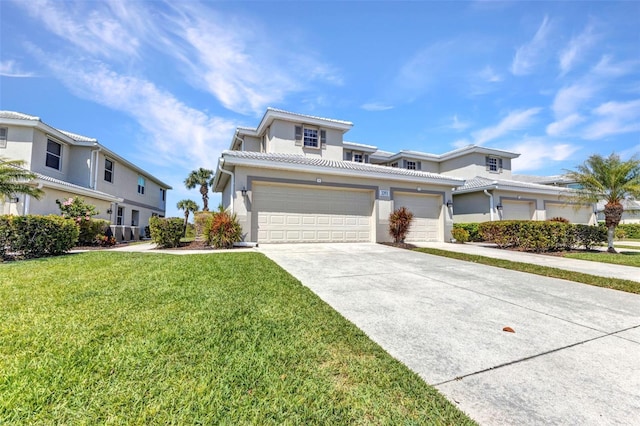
(139, 338)
(614, 283)
(627, 258)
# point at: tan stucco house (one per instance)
(68, 165)
(294, 178)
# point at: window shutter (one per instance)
(486, 163)
(404, 164)
(500, 163)
(418, 165)
(366, 158)
(323, 137)
(349, 155)
(3, 137)
(298, 135)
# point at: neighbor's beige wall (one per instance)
(47, 204)
(472, 165)
(19, 146)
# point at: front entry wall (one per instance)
(300, 213)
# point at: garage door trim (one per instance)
(415, 191)
(259, 179)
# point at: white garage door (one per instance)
(569, 212)
(517, 210)
(426, 215)
(296, 213)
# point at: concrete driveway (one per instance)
(574, 357)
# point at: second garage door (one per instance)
(297, 213)
(517, 210)
(569, 212)
(426, 215)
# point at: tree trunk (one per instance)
(186, 220)
(611, 231)
(204, 189)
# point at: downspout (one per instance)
(94, 163)
(233, 183)
(490, 203)
(235, 135)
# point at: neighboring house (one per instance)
(631, 213)
(69, 165)
(293, 178)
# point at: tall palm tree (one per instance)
(189, 206)
(611, 180)
(14, 179)
(203, 178)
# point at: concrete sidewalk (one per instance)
(584, 266)
(574, 357)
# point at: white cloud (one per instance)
(536, 153)
(516, 120)
(607, 68)
(10, 68)
(562, 126)
(178, 134)
(458, 125)
(576, 48)
(528, 55)
(96, 27)
(238, 62)
(461, 143)
(569, 99)
(376, 106)
(489, 75)
(614, 118)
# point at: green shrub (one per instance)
(90, 230)
(399, 223)
(202, 224)
(619, 233)
(631, 230)
(38, 236)
(472, 230)
(588, 236)
(460, 235)
(223, 230)
(166, 232)
(5, 235)
(540, 236)
(558, 219)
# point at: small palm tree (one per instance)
(189, 206)
(611, 180)
(201, 177)
(14, 179)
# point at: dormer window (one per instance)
(395, 164)
(310, 138)
(357, 158)
(411, 165)
(494, 164)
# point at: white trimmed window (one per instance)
(310, 138)
(411, 165)
(140, 185)
(120, 216)
(395, 164)
(3, 137)
(357, 158)
(493, 164)
(108, 170)
(54, 154)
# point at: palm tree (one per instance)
(14, 179)
(202, 177)
(611, 180)
(189, 206)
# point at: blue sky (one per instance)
(164, 84)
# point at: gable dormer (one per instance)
(357, 152)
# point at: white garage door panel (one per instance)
(514, 210)
(295, 213)
(426, 215)
(581, 215)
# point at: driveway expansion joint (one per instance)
(518, 361)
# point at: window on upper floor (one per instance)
(54, 154)
(310, 137)
(140, 185)
(411, 165)
(163, 194)
(3, 136)
(493, 164)
(357, 158)
(108, 170)
(394, 164)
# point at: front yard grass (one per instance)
(108, 337)
(614, 283)
(627, 258)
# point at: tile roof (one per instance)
(333, 120)
(484, 183)
(77, 137)
(345, 165)
(70, 185)
(541, 179)
(18, 116)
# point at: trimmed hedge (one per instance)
(472, 230)
(631, 230)
(34, 236)
(90, 230)
(538, 236)
(166, 232)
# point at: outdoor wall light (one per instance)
(450, 204)
(244, 191)
(499, 207)
(14, 199)
(109, 211)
